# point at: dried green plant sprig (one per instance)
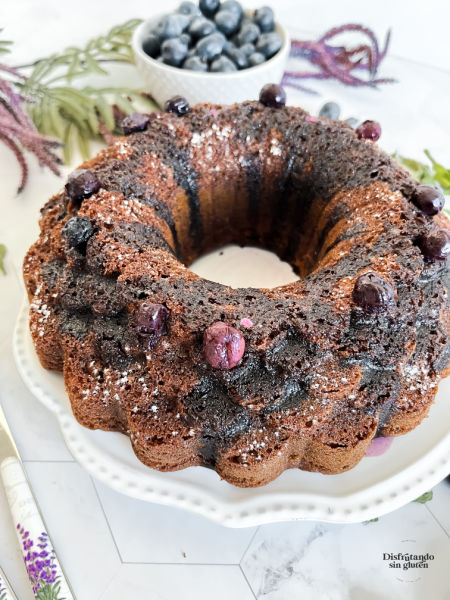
(433, 173)
(5, 45)
(81, 114)
(38, 111)
(2, 257)
(77, 62)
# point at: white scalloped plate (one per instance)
(413, 464)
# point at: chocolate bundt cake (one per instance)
(247, 381)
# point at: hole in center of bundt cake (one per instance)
(246, 266)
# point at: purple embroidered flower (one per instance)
(41, 565)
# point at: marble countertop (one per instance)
(114, 547)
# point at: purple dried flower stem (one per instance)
(29, 139)
(354, 27)
(17, 131)
(12, 71)
(338, 61)
(15, 149)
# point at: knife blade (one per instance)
(44, 570)
(6, 591)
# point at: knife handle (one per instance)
(6, 591)
(44, 570)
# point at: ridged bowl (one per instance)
(163, 81)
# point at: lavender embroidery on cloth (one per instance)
(40, 562)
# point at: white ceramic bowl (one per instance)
(163, 81)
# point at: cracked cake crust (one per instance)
(320, 378)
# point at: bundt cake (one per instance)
(246, 381)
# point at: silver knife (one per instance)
(6, 591)
(43, 567)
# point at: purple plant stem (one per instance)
(338, 61)
(12, 71)
(11, 144)
(17, 131)
(354, 27)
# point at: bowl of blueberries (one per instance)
(214, 51)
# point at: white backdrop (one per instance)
(421, 27)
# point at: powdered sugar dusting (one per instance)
(275, 147)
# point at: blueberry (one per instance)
(269, 44)
(229, 46)
(174, 51)
(77, 231)
(247, 49)
(264, 18)
(209, 7)
(151, 322)
(134, 122)
(369, 130)
(273, 95)
(186, 39)
(188, 8)
(238, 57)
(226, 22)
(429, 199)
(195, 63)
(171, 26)
(151, 45)
(81, 184)
(245, 21)
(177, 105)
(234, 7)
(247, 34)
(330, 110)
(210, 46)
(256, 59)
(222, 65)
(352, 122)
(201, 27)
(372, 293)
(435, 244)
(223, 345)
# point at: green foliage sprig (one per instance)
(433, 173)
(2, 256)
(75, 62)
(77, 115)
(59, 110)
(4, 45)
(426, 497)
